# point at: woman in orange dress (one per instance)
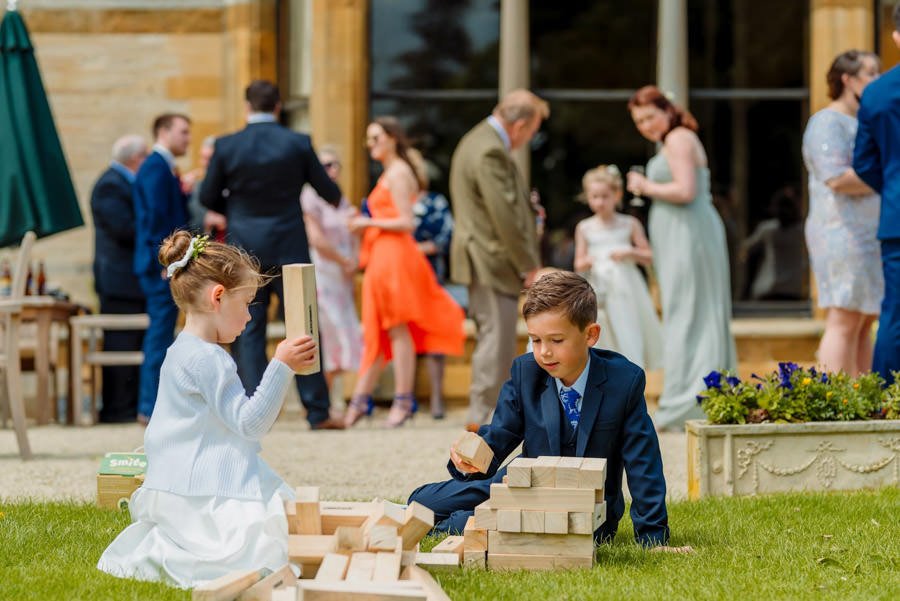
(404, 309)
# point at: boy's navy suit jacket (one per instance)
(614, 424)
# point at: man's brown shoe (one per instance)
(329, 424)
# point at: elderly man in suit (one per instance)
(495, 243)
(876, 159)
(255, 177)
(114, 280)
(160, 206)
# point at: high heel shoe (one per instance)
(360, 405)
(402, 409)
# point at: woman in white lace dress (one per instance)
(843, 221)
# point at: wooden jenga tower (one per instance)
(544, 515)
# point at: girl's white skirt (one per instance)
(185, 541)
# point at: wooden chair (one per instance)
(10, 362)
(91, 327)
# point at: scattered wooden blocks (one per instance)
(333, 568)
(228, 586)
(262, 590)
(475, 451)
(383, 538)
(451, 544)
(334, 514)
(387, 567)
(418, 521)
(361, 568)
(349, 540)
(386, 513)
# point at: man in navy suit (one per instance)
(114, 280)
(566, 399)
(255, 178)
(160, 207)
(876, 159)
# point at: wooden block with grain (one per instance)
(540, 544)
(387, 514)
(592, 473)
(474, 450)
(301, 310)
(451, 544)
(314, 590)
(533, 521)
(290, 512)
(335, 513)
(543, 472)
(518, 472)
(417, 522)
(361, 568)
(310, 548)
(556, 522)
(568, 470)
(387, 567)
(262, 590)
(475, 559)
(599, 514)
(309, 570)
(287, 593)
(581, 522)
(429, 584)
(229, 586)
(546, 499)
(509, 520)
(383, 538)
(437, 560)
(473, 538)
(349, 540)
(333, 568)
(485, 516)
(514, 561)
(309, 520)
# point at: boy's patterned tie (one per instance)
(570, 398)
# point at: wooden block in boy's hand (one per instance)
(472, 449)
(301, 311)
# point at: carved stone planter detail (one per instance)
(765, 458)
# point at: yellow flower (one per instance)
(845, 401)
(2, 515)
(856, 385)
(829, 394)
(806, 381)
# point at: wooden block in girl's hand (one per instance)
(472, 449)
(301, 311)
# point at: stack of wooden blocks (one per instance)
(352, 551)
(544, 515)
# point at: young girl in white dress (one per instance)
(608, 247)
(209, 504)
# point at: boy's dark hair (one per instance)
(263, 96)
(562, 291)
(896, 16)
(166, 120)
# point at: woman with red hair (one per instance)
(690, 255)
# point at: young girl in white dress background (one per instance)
(209, 504)
(608, 248)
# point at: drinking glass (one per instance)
(637, 201)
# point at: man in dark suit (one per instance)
(114, 280)
(255, 178)
(160, 207)
(495, 243)
(566, 399)
(876, 159)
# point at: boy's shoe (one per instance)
(328, 424)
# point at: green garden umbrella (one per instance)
(36, 191)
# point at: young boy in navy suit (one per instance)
(566, 399)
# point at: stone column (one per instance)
(339, 109)
(672, 50)
(251, 51)
(835, 26)
(515, 61)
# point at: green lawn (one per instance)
(838, 546)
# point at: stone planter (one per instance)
(766, 458)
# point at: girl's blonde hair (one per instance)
(210, 262)
(604, 174)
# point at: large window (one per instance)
(435, 66)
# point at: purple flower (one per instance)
(785, 370)
(824, 378)
(732, 381)
(713, 379)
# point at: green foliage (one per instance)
(797, 394)
(797, 546)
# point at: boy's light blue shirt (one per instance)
(578, 386)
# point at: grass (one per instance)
(810, 546)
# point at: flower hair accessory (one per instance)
(194, 250)
(613, 170)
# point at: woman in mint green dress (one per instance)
(689, 255)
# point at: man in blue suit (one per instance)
(876, 159)
(117, 287)
(160, 207)
(255, 177)
(566, 399)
